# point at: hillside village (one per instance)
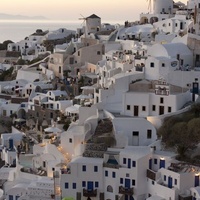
(83, 114)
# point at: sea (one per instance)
(17, 30)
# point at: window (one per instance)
(17, 197)
(133, 163)
(51, 115)
(128, 107)
(84, 168)
(149, 134)
(169, 24)
(95, 168)
(176, 24)
(135, 133)
(169, 109)
(83, 183)
(113, 174)
(175, 181)
(124, 160)
(96, 184)
(127, 175)
(74, 185)
(60, 69)
(44, 164)
(66, 185)
(98, 53)
(133, 182)
(109, 188)
(151, 64)
(106, 173)
(70, 140)
(155, 161)
(143, 108)
(163, 64)
(152, 182)
(121, 180)
(78, 53)
(161, 100)
(165, 178)
(153, 108)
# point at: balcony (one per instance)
(89, 193)
(151, 174)
(126, 191)
(184, 197)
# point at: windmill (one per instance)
(84, 21)
(149, 5)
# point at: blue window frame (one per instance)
(66, 185)
(113, 174)
(83, 184)
(133, 182)
(10, 197)
(106, 173)
(84, 168)
(133, 163)
(95, 168)
(121, 180)
(124, 160)
(155, 161)
(96, 184)
(74, 185)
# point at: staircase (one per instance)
(100, 141)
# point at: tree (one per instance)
(66, 125)
(195, 108)
(180, 134)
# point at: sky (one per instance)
(112, 10)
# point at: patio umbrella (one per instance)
(87, 87)
(82, 96)
(52, 130)
(68, 198)
(72, 109)
(20, 120)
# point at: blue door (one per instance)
(169, 182)
(196, 181)
(127, 183)
(150, 163)
(90, 185)
(126, 197)
(129, 163)
(162, 163)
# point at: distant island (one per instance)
(4, 16)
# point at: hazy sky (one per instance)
(71, 9)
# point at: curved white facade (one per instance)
(162, 6)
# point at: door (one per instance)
(169, 182)
(129, 163)
(196, 181)
(162, 163)
(181, 25)
(90, 185)
(135, 111)
(135, 140)
(161, 110)
(127, 183)
(150, 163)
